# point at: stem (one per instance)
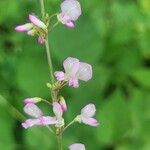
(54, 26)
(59, 139)
(54, 93)
(49, 60)
(42, 8)
(69, 125)
(48, 54)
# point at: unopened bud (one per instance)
(62, 102)
(32, 100)
(49, 85)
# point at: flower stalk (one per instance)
(54, 93)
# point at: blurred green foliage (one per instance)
(113, 36)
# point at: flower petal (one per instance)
(77, 146)
(60, 75)
(74, 82)
(71, 8)
(32, 110)
(71, 66)
(85, 71)
(89, 121)
(88, 111)
(57, 110)
(47, 120)
(30, 122)
(69, 24)
(24, 27)
(37, 22)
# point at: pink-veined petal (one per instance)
(77, 146)
(57, 110)
(89, 121)
(60, 75)
(37, 22)
(32, 110)
(30, 122)
(71, 8)
(24, 28)
(71, 66)
(88, 111)
(85, 71)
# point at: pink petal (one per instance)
(32, 100)
(69, 24)
(89, 121)
(57, 110)
(71, 66)
(89, 110)
(37, 22)
(32, 110)
(77, 146)
(74, 82)
(41, 40)
(47, 120)
(30, 122)
(24, 28)
(71, 8)
(85, 71)
(60, 75)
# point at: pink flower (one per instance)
(77, 146)
(74, 71)
(31, 28)
(38, 118)
(87, 114)
(70, 12)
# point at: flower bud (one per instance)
(41, 40)
(62, 102)
(32, 100)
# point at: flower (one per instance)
(36, 26)
(38, 117)
(87, 114)
(74, 71)
(70, 12)
(77, 146)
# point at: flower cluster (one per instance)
(35, 27)
(74, 71)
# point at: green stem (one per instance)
(42, 8)
(69, 125)
(59, 139)
(49, 60)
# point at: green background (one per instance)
(114, 37)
